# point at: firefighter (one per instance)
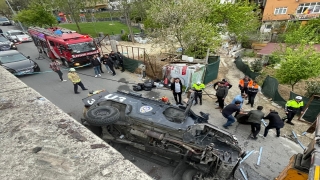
(198, 87)
(75, 79)
(252, 92)
(291, 108)
(244, 83)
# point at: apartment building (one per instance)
(280, 11)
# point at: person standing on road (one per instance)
(228, 111)
(244, 83)
(255, 117)
(75, 79)
(292, 107)
(240, 98)
(121, 61)
(198, 87)
(103, 60)
(108, 62)
(96, 65)
(252, 92)
(226, 83)
(222, 92)
(274, 122)
(114, 59)
(176, 88)
(100, 66)
(55, 66)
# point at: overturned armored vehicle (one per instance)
(175, 133)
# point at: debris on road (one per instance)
(297, 140)
(259, 158)
(246, 156)
(243, 174)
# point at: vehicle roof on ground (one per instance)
(9, 52)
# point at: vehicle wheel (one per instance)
(189, 174)
(102, 115)
(37, 69)
(65, 63)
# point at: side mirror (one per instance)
(28, 57)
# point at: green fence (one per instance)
(245, 68)
(270, 90)
(130, 64)
(212, 69)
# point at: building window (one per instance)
(280, 10)
(308, 8)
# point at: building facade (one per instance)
(277, 11)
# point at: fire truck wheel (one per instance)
(65, 63)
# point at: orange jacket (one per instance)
(253, 88)
(241, 83)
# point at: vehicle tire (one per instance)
(37, 69)
(189, 174)
(102, 115)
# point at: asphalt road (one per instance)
(276, 152)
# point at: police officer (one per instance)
(198, 87)
(291, 108)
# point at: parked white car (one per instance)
(5, 21)
(18, 35)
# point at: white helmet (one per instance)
(298, 98)
(72, 70)
(198, 82)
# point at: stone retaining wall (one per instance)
(40, 141)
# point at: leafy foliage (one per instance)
(298, 64)
(35, 15)
(312, 88)
(257, 65)
(297, 33)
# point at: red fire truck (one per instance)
(72, 48)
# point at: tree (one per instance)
(298, 64)
(179, 23)
(240, 19)
(296, 33)
(35, 15)
(5, 10)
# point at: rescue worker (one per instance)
(240, 98)
(198, 87)
(228, 111)
(252, 92)
(75, 79)
(292, 107)
(244, 83)
(222, 92)
(274, 122)
(254, 117)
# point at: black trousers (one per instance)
(271, 127)
(177, 97)
(112, 69)
(100, 68)
(75, 86)
(244, 90)
(221, 102)
(290, 115)
(122, 67)
(251, 97)
(60, 74)
(255, 129)
(198, 95)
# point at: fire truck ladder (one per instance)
(44, 31)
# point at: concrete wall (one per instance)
(39, 141)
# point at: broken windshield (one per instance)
(82, 47)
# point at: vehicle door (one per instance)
(54, 49)
(63, 51)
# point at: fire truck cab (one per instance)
(72, 48)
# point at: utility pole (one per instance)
(14, 13)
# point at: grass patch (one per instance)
(107, 27)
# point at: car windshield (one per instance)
(11, 58)
(4, 19)
(3, 40)
(16, 33)
(82, 47)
